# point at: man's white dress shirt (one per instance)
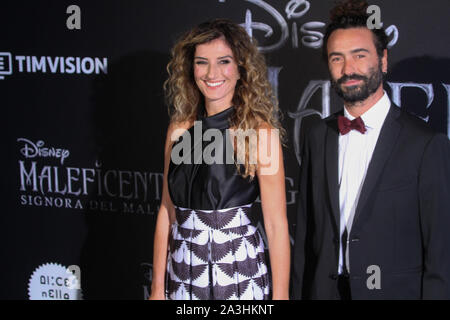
(355, 153)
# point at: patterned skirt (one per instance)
(216, 255)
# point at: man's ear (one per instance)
(384, 61)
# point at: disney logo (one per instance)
(32, 150)
(307, 33)
(294, 9)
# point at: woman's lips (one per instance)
(214, 84)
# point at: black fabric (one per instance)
(210, 186)
(343, 285)
(401, 221)
(344, 240)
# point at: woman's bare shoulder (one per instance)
(176, 129)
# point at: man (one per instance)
(374, 211)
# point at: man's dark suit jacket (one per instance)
(402, 220)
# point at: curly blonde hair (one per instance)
(253, 100)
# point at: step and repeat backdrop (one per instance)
(81, 87)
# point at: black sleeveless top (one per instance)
(195, 184)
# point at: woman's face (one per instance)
(216, 72)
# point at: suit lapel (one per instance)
(383, 149)
(331, 163)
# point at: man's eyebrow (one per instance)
(360, 50)
(334, 53)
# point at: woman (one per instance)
(205, 246)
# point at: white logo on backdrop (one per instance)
(32, 150)
(52, 281)
(306, 33)
(89, 189)
(5, 64)
(49, 64)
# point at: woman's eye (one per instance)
(224, 61)
(200, 62)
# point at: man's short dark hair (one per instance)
(353, 14)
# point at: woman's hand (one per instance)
(157, 295)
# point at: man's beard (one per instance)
(358, 93)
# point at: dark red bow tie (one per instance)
(345, 125)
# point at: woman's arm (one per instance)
(166, 216)
(271, 180)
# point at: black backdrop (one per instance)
(85, 122)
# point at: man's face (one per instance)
(355, 68)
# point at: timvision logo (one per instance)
(47, 64)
